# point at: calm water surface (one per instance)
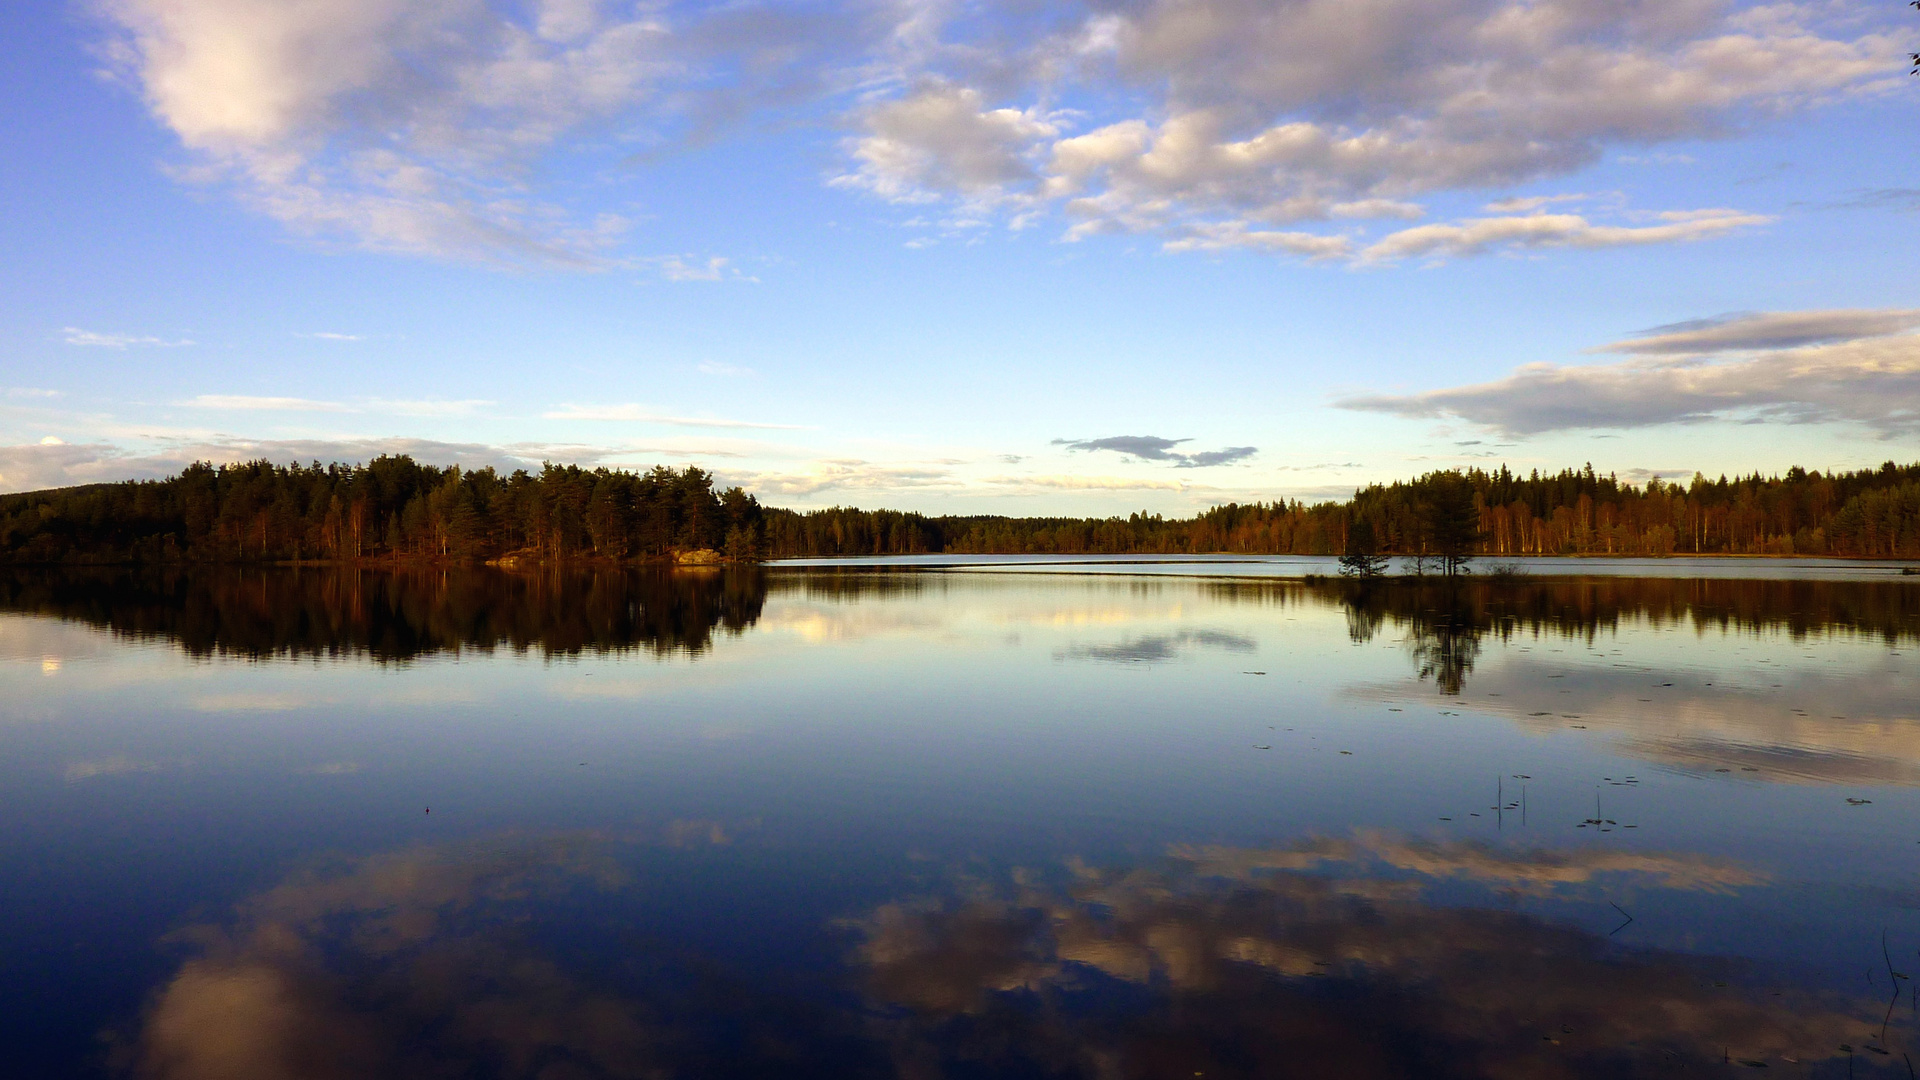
(887, 823)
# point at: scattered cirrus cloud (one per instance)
(1155, 448)
(1039, 485)
(117, 765)
(643, 415)
(847, 474)
(73, 335)
(247, 403)
(694, 268)
(1787, 367)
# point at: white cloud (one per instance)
(244, 403)
(465, 407)
(118, 765)
(941, 139)
(1532, 231)
(413, 127)
(694, 268)
(1766, 330)
(76, 336)
(1226, 235)
(1253, 114)
(1864, 375)
(324, 335)
(641, 414)
(846, 475)
(1043, 484)
(426, 127)
(31, 467)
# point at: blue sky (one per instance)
(1020, 256)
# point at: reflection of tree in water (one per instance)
(1445, 643)
(1443, 625)
(1583, 607)
(1244, 964)
(400, 615)
(1446, 623)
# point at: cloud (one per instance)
(429, 127)
(417, 127)
(1336, 957)
(693, 268)
(941, 139)
(1041, 484)
(262, 404)
(466, 407)
(76, 336)
(118, 765)
(245, 403)
(35, 466)
(640, 414)
(1551, 231)
(327, 336)
(1154, 448)
(1863, 372)
(846, 475)
(1905, 199)
(1159, 648)
(1766, 330)
(1228, 120)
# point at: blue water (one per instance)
(815, 822)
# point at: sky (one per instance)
(997, 256)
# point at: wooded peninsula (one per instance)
(394, 508)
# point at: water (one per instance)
(1304, 566)
(830, 822)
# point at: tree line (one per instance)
(390, 508)
(1869, 512)
(394, 508)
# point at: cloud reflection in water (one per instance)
(1241, 962)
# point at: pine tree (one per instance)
(1452, 521)
(1363, 558)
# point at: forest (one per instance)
(396, 509)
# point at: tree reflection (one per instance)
(396, 616)
(1446, 623)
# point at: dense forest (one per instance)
(1872, 512)
(394, 508)
(389, 508)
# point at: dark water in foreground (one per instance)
(816, 823)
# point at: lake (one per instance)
(959, 820)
